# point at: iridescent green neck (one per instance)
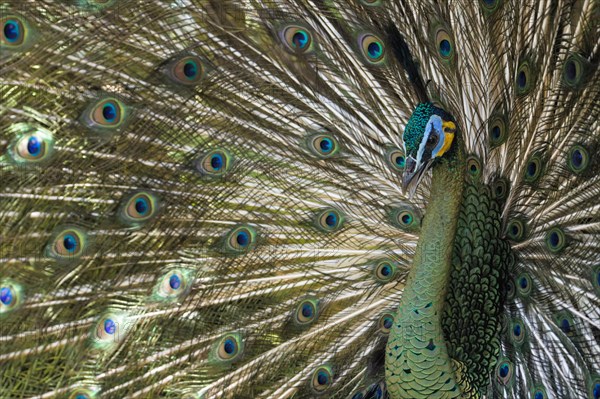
(417, 361)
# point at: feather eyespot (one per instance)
(504, 371)
(68, 244)
(396, 159)
(323, 145)
(579, 159)
(524, 285)
(241, 239)
(574, 71)
(473, 167)
(564, 322)
(322, 378)
(230, 347)
(555, 240)
(109, 330)
(385, 271)
(372, 48)
(523, 79)
(139, 208)
(215, 163)
(515, 230)
(490, 5)
(11, 296)
(306, 312)
(297, 39)
(33, 147)
(539, 392)
(82, 394)
(358, 395)
(500, 189)
(405, 217)
(385, 323)
(444, 44)
(533, 169)
(329, 220)
(517, 332)
(189, 70)
(497, 131)
(16, 33)
(108, 114)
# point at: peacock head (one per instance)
(428, 135)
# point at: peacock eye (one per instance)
(16, 32)
(297, 39)
(396, 159)
(188, 70)
(385, 323)
(539, 392)
(241, 239)
(555, 240)
(11, 296)
(385, 271)
(517, 332)
(33, 147)
(215, 163)
(323, 145)
(139, 208)
(372, 48)
(68, 244)
(504, 371)
(306, 312)
(579, 159)
(322, 378)
(229, 347)
(329, 220)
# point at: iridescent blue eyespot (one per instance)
(385, 323)
(174, 282)
(372, 48)
(68, 244)
(322, 378)
(358, 395)
(297, 39)
(306, 312)
(34, 146)
(109, 326)
(518, 332)
(241, 239)
(395, 158)
(229, 347)
(385, 270)
(6, 295)
(575, 71)
(14, 31)
(539, 392)
(215, 163)
(188, 70)
(109, 112)
(595, 277)
(523, 79)
(533, 170)
(579, 159)
(323, 145)
(504, 371)
(445, 44)
(138, 208)
(556, 240)
(405, 216)
(329, 220)
(173, 285)
(524, 285)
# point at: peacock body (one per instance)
(299, 199)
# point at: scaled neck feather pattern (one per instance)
(417, 360)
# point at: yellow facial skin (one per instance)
(449, 129)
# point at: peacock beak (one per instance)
(413, 174)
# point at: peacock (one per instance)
(300, 199)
